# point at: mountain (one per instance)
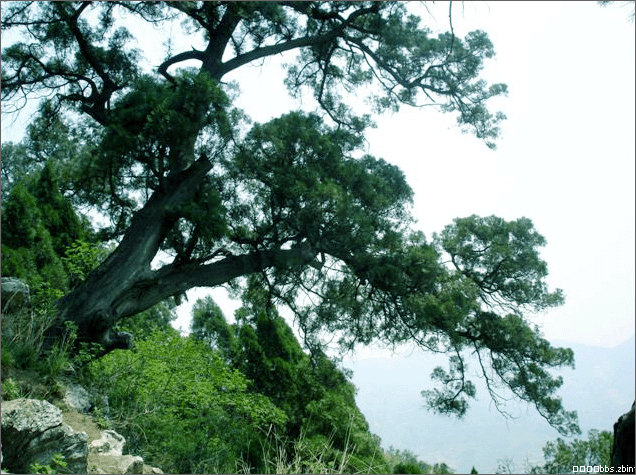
(600, 389)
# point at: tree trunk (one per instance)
(91, 304)
(125, 284)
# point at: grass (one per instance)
(310, 456)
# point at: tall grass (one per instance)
(24, 340)
(303, 455)
(23, 333)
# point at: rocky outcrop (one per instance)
(15, 293)
(33, 432)
(106, 455)
(76, 397)
(117, 464)
(111, 443)
(623, 448)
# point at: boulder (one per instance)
(33, 431)
(15, 293)
(149, 469)
(116, 463)
(623, 448)
(111, 443)
(76, 397)
(105, 456)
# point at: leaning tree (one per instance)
(294, 203)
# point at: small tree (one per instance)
(562, 457)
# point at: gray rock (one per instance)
(117, 463)
(111, 443)
(149, 469)
(33, 431)
(15, 293)
(77, 398)
(623, 453)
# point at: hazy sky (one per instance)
(565, 158)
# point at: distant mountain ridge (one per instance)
(600, 389)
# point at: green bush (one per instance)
(10, 390)
(181, 407)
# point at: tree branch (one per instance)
(185, 56)
(271, 50)
(174, 279)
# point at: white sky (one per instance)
(565, 158)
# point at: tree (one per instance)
(563, 457)
(317, 398)
(294, 201)
(39, 225)
(404, 461)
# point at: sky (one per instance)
(565, 158)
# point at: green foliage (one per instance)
(58, 215)
(209, 325)
(177, 385)
(442, 468)
(377, 44)
(561, 456)
(38, 226)
(407, 468)
(155, 319)
(24, 330)
(315, 395)
(59, 357)
(404, 461)
(56, 465)
(49, 142)
(81, 258)
(27, 247)
(14, 166)
(10, 389)
(502, 259)
(305, 456)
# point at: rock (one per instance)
(103, 405)
(15, 293)
(76, 397)
(105, 456)
(117, 463)
(149, 469)
(623, 448)
(33, 431)
(111, 443)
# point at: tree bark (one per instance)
(125, 284)
(91, 304)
